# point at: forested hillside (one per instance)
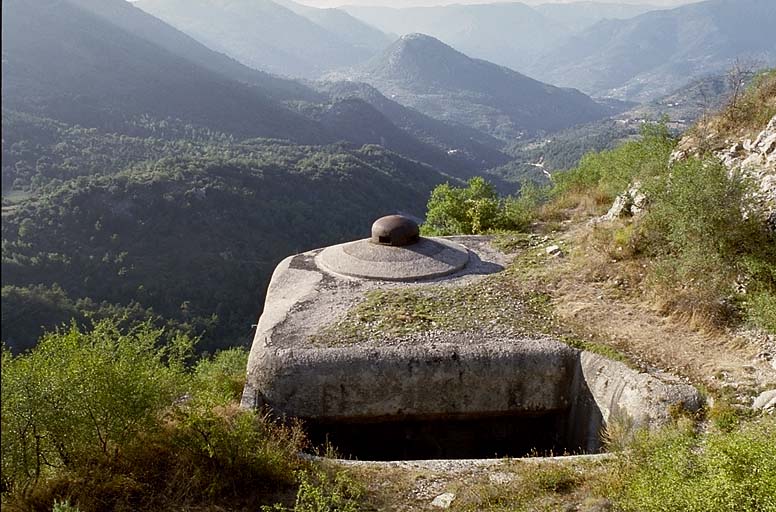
(134, 182)
(474, 148)
(189, 229)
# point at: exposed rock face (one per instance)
(754, 155)
(766, 402)
(755, 159)
(443, 500)
(628, 204)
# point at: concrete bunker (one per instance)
(453, 395)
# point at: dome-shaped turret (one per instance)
(396, 230)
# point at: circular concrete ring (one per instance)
(427, 259)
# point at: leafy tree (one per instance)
(110, 419)
(470, 210)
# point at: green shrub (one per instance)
(609, 173)
(110, 420)
(64, 506)
(323, 491)
(680, 470)
(705, 239)
(761, 309)
(231, 453)
(521, 211)
(223, 374)
(80, 397)
(477, 209)
(751, 109)
(470, 210)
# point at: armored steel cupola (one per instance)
(394, 252)
(395, 230)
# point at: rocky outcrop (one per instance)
(628, 204)
(766, 402)
(754, 158)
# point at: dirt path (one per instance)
(742, 362)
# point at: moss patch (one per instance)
(495, 302)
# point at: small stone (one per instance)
(443, 500)
(553, 250)
(766, 402)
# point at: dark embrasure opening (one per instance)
(472, 437)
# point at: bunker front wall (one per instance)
(455, 377)
(459, 382)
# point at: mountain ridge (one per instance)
(653, 53)
(426, 74)
(262, 34)
(75, 66)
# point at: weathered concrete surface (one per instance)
(452, 376)
(467, 377)
(619, 393)
(303, 298)
(428, 258)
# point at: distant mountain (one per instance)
(581, 15)
(105, 77)
(474, 149)
(136, 21)
(268, 36)
(510, 34)
(348, 28)
(652, 54)
(563, 150)
(67, 63)
(358, 122)
(684, 106)
(422, 72)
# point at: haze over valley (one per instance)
(110, 107)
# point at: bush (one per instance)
(609, 173)
(323, 491)
(521, 211)
(223, 374)
(109, 420)
(705, 240)
(81, 397)
(64, 506)
(471, 210)
(680, 470)
(761, 309)
(749, 110)
(477, 209)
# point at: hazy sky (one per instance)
(412, 3)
